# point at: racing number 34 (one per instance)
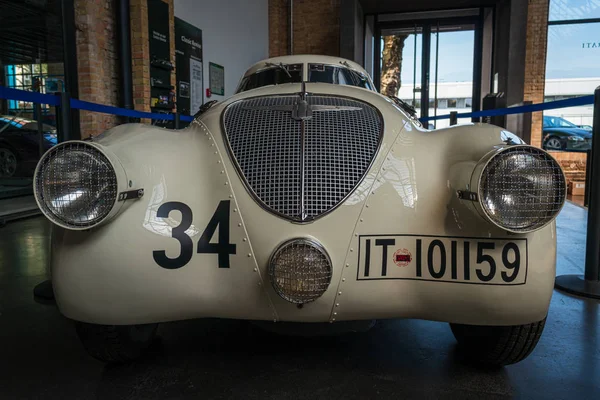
(219, 219)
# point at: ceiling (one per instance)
(30, 32)
(397, 6)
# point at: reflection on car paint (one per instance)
(162, 226)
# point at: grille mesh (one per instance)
(76, 185)
(339, 146)
(522, 188)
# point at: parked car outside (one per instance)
(19, 145)
(560, 134)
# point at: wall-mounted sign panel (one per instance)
(216, 75)
(189, 71)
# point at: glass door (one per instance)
(402, 64)
(451, 72)
(430, 65)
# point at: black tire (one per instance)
(115, 343)
(496, 346)
(9, 161)
(563, 143)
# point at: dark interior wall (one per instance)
(509, 49)
(398, 6)
(352, 31)
(516, 52)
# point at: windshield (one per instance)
(558, 122)
(274, 75)
(338, 75)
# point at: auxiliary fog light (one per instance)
(300, 270)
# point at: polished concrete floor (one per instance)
(402, 359)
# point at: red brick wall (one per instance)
(97, 61)
(535, 62)
(316, 27)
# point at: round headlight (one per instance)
(300, 271)
(521, 189)
(75, 185)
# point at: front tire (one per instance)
(9, 163)
(115, 343)
(554, 143)
(497, 346)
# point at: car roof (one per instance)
(306, 59)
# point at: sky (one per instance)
(573, 50)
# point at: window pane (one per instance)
(561, 10)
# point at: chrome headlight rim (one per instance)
(117, 170)
(306, 241)
(478, 174)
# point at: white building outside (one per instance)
(457, 96)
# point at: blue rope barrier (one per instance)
(24, 95)
(551, 105)
(34, 97)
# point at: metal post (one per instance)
(453, 117)
(588, 177)
(177, 119)
(588, 285)
(65, 128)
(40, 126)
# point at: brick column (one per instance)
(535, 62)
(97, 62)
(316, 27)
(140, 53)
(279, 28)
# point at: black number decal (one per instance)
(453, 251)
(223, 248)
(481, 246)
(187, 246)
(467, 258)
(368, 258)
(515, 265)
(442, 271)
(384, 243)
(419, 242)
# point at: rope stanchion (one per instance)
(588, 285)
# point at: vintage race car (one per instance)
(306, 197)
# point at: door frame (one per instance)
(426, 24)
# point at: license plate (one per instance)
(487, 261)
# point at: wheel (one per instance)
(8, 162)
(554, 143)
(115, 343)
(497, 345)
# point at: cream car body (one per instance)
(109, 274)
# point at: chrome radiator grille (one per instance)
(302, 155)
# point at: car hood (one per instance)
(570, 132)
